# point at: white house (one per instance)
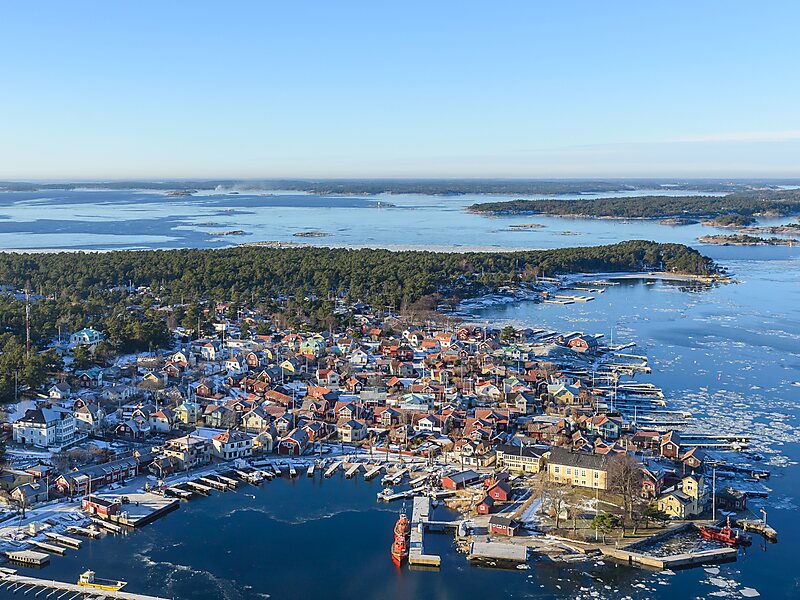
(45, 427)
(232, 444)
(86, 337)
(359, 358)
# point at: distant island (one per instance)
(734, 209)
(437, 187)
(741, 239)
(312, 234)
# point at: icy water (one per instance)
(730, 355)
(103, 220)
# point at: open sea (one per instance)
(729, 354)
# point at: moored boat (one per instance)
(725, 534)
(88, 579)
(402, 531)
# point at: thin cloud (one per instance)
(747, 136)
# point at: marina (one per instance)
(14, 583)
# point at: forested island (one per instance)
(381, 276)
(732, 209)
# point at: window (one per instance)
(556, 469)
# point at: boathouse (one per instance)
(502, 525)
(102, 507)
(460, 480)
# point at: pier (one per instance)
(63, 540)
(758, 526)
(333, 468)
(352, 470)
(420, 515)
(11, 582)
(108, 525)
(179, 493)
(213, 483)
(85, 531)
(49, 548)
(199, 487)
(395, 478)
(229, 480)
(674, 561)
(373, 472)
(29, 557)
(310, 470)
(498, 551)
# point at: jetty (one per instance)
(214, 483)
(758, 526)
(179, 492)
(373, 472)
(352, 470)
(292, 470)
(229, 480)
(114, 528)
(395, 478)
(310, 470)
(13, 583)
(85, 531)
(674, 561)
(494, 551)
(333, 468)
(63, 539)
(199, 487)
(29, 557)
(49, 548)
(420, 515)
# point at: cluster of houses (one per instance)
(461, 394)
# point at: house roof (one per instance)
(562, 456)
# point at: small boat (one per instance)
(88, 579)
(725, 535)
(402, 532)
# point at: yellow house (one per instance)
(578, 468)
(520, 459)
(686, 501)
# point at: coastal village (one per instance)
(524, 442)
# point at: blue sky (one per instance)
(370, 89)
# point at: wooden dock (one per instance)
(395, 478)
(373, 472)
(64, 540)
(199, 487)
(498, 551)
(29, 557)
(292, 470)
(229, 480)
(674, 561)
(333, 468)
(352, 470)
(214, 483)
(49, 548)
(179, 493)
(11, 582)
(85, 531)
(420, 515)
(113, 527)
(758, 526)
(310, 470)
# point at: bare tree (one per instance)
(625, 479)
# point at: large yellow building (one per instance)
(578, 468)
